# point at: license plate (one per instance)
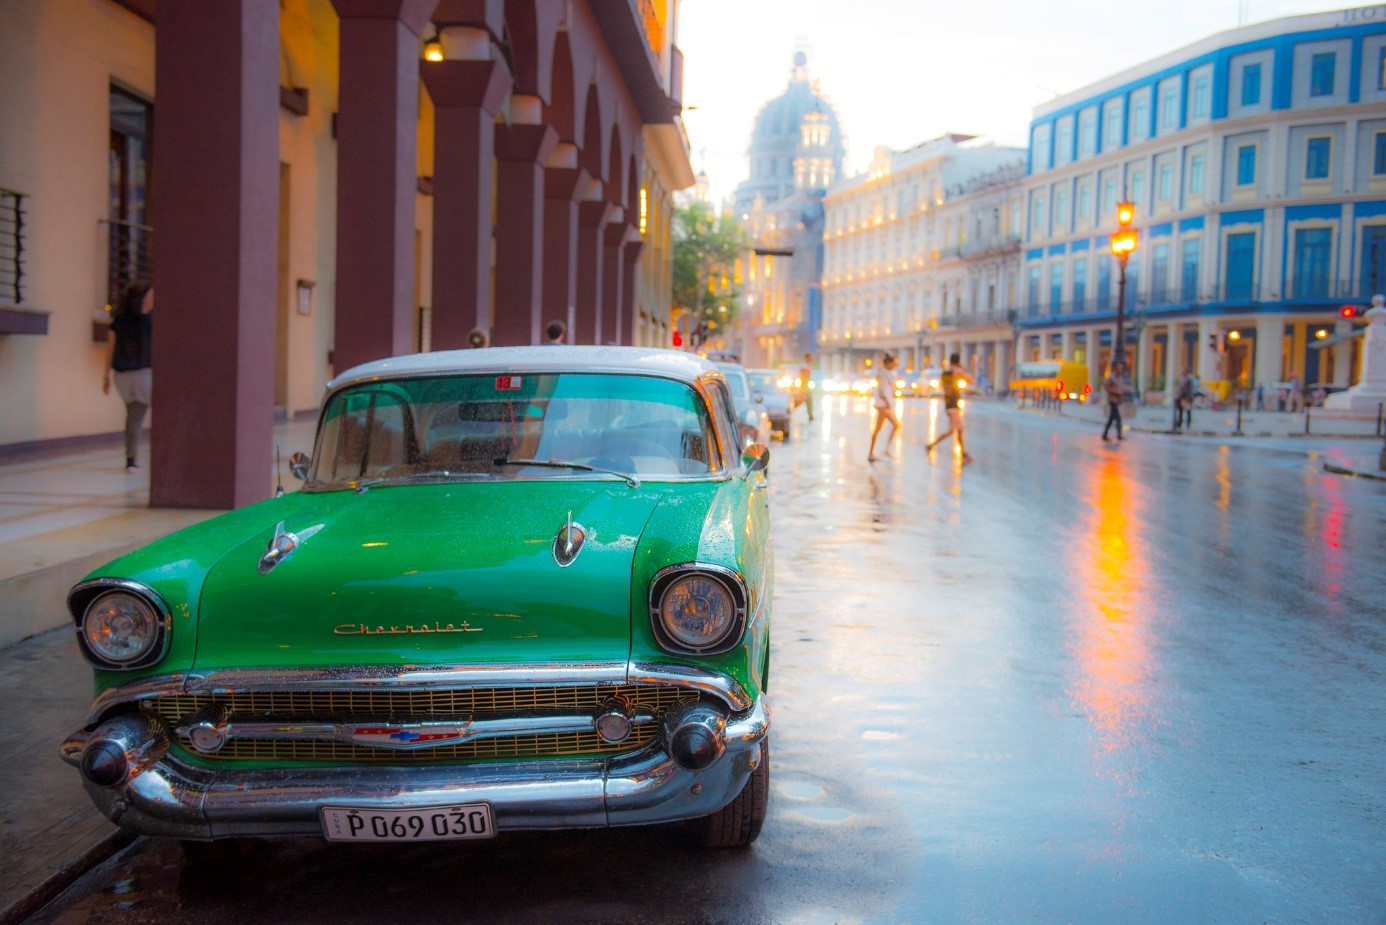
(419, 823)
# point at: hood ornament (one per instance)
(279, 548)
(568, 543)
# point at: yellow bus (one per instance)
(1063, 379)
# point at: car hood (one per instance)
(431, 574)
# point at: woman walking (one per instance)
(884, 401)
(952, 379)
(130, 339)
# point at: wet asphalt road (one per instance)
(1071, 682)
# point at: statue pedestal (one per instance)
(1370, 391)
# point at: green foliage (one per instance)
(706, 247)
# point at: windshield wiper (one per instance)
(363, 485)
(631, 480)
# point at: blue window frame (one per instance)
(1321, 68)
(1159, 274)
(1189, 250)
(1104, 282)
(1084, 211)
(1140, 117)
(1087, 132)
(1373, 259)
(1379, 156)
(1251, 84)
(1241, 266)
(1169, 106)
(1196, 174)
(1037, 214)
(1060, 211)
(1316, 154)
(1381, 69)
(1313, 255)
(1056, 287)
(1166, 186)
(1080, 280)
(1111, 131)
(1246, 165)
(1032, 293)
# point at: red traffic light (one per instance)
(678, 338)
(1348, 311)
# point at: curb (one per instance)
(49, 890)
(1355, 473)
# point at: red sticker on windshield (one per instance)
(508, 383)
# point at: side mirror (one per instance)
(299, 463)
(755, 458)
(758, 398)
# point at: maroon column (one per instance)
(613, 240)
(592, 219)
(628, 319)
(217, 81)
(466, 95)
(377, 164)
(520, 152)
(561, 246)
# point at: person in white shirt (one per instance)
(883, 401)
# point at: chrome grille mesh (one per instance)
(386, 706)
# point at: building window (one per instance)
(1169, 106)
(1166, 182)
(1188, 270)
(1246, 165)
(129, 254)
(1313, 255)
(1241, 266)
(1084, 213)
(1316, 156)
(1159, 272)
(1056, 287)
(1087, 132)
(1032, 292)
(1200, 96)
(1037, 215)
(1104, 283)
(1138, 187)
(1061, 211)
(1379, 158)
(1196, 174)
(1321, 74)
(1111, 132)
(1080, 283)
(1381, 69)
(1251, 85)
(1109, 197)
(1140, 117)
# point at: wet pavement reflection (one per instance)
(1070, 682)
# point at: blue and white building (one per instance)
(1256, 159)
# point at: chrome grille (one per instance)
(394, 706)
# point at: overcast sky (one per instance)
(902, 71)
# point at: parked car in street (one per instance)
(774, 398)
(520, 588)
(753, 418)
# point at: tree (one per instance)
(706, 249)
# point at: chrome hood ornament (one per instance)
(281, 544)
(568, 543)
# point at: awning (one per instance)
(1332, 339)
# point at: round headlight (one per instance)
(697, 611)
(120, 627)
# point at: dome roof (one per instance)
(775, 138)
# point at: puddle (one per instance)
(800, 790)
(823, 813)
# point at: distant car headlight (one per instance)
(120, 625)
(698, 609)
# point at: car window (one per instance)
(725, 411)
(473, 426)
(762, 382)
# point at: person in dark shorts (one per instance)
(951, 381)
(131, 340)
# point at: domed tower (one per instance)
(778, 137)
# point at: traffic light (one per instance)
(1348, 311)
(678, 338)
(1215, 342)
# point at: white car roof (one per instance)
(548, 358)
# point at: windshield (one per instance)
(472, 427)
(736, 383)
(764, 383)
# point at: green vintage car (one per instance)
(520, 588)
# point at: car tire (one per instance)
(738, 823)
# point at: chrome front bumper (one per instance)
(168, 797)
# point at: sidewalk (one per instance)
(61, 517)
(1346, 444)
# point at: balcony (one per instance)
(990, 247)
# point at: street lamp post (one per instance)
(1123, 246)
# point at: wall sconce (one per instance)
(304, 297)
(433, 48)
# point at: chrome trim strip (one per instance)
(440, 734)
(375, 678)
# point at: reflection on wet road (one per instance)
(1071, 682)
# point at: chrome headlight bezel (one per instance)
(83, 596)
(729, 579)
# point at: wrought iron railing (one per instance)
(12, 238)
(129, 256)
